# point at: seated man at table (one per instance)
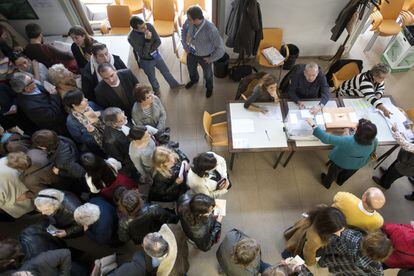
(368, 85)
(309, 82)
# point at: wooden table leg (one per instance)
(288, 159)
(232, 160)
(278, 158)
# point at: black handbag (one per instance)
(240, 71)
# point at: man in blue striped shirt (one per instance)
(203, 45)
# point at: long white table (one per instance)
(250, 131)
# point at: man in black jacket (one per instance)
(116, 88)
(90, 77)
(145, 41)
(39, 105)
(115, 141)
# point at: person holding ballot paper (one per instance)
(265, 91)
(350, 152)
(309, 82)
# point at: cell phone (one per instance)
(220, 183)
(51, 229)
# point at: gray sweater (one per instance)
(158, 118)
(143, 47)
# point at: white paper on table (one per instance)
(293, 118)
(242, 126)
(319, 119)
(220, 208)
(304, 113)
(240, 143)
(353, 117)
(327, 117)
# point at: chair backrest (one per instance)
(410, 113)
(189, 3)
(347, 72)
(118, 16)
(408, 5)
(163, 10)
(391, 9)
(148, 4)
(133, 4)
(207, 124)
(271, 37)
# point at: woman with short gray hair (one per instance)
(368, 85)
(59, 207)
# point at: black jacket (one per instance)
(164, 189)
(65, 158)
(149, 219)
(44, 110)
(116, 145)
(106, 96)
(53, 262)
(63, 218)
(90, 81)
(35, 240)
(203, 234)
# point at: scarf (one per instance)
(94, 65)
(90, 118)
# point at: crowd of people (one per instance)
(87, 146)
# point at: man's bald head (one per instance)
(373, 198)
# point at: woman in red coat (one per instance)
(402, 238)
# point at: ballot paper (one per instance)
(304, 113)
(243, 126)
(353, 117)
(327, 117)
(319, 119)
(293, 118)
(220, 208)
(240, 143)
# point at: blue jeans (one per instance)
(192, 62)
(149, 68)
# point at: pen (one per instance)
(267, 134)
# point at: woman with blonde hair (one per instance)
(264, 91)
(62, 78)
(170, 169)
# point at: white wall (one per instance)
(52, 18)
(306, 23)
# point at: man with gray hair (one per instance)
(309, 82)
(368, 85)
(165, 253)
(115, 141)
(99, 220)
(40, 107)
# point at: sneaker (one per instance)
(189, 85)
(377, 181)
(323, 176)
(209, 92)
(409, 197)
(179, 86)
(156, 91)
(411, 179)
(383, 169)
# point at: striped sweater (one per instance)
(363, 86)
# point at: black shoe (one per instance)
(323, 176)
(189, 85)
(156, 91)
(209, 92)
(411, 179)
(377, 181)
(409, 197)
(383, 170)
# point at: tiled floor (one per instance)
(263, 202)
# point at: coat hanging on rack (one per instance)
(244, 27)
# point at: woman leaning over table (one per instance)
(350, 152)
(265, 91)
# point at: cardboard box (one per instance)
(340, 117)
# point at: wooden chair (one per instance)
(188, 3)
(410, 113)
(347, 72)
(118, 16)
(164, 18)
(384, 21)
(216, 134)
(182, 58)
(272, 37)
(135, 6)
